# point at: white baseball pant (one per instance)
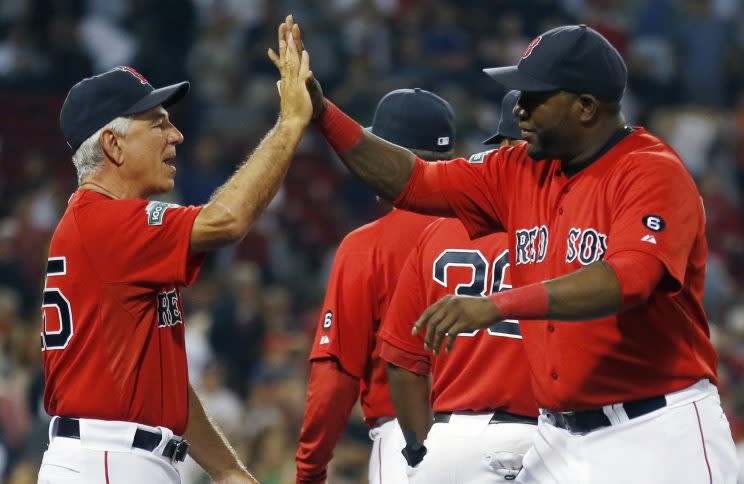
(386, 463)
(104, 455)
(470, 449)
(686, 442)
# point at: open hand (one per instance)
(313, 86)
(452, 315)
(293, 64)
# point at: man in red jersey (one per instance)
(485, 412)
(345, 361)
(113, 325)
(606, 234)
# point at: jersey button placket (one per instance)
(554, 375)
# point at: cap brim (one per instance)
(513, 79)
(494, 140)
(167, 96)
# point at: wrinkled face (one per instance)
(149, 150)
(549, 123)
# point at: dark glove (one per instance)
(414, 456)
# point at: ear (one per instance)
(588, 107)
(111, 147)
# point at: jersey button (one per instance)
(554, 375)
(560, 211)
(566, 190)
(551, 327)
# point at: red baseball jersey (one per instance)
(487, 369)
(112, 319)
(636, 196)
(363, 278)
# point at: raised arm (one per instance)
(236, 205)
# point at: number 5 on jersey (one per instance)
(53, 298)
(477, 262)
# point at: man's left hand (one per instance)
(452, 315)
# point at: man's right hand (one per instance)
(313, 86)
(293, 64)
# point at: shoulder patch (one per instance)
(479, 157)
(156, 212)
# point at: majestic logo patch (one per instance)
(136, 74)
(649, 238)
(479, 157)
(156, 211)
(532, 45)
(328, 320)
(654, 222)
(324, 340)
(169, 313)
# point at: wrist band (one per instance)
(341, 132)
(528, 302)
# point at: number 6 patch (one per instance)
(654, 222)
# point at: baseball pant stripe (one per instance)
(702, 440)
(105, 466)
(379, 457)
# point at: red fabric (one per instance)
(557, 225)
(638, 274)
(423, 191)
(341, 132)
(487, 369)
(365, 271)
(328, 388)
(420, 365)
(528, 302)
(126, 358)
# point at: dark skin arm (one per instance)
(410, 395)
(383, 166)
(590, 293)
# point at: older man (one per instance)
(113, 330)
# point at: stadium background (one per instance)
(252, 313)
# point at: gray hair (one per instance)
(89, 155)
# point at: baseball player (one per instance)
(113, 325)
(345, 361)
(485, 413)
(606, 234)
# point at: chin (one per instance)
(535, 152)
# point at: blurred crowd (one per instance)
(251, 316)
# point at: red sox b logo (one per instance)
(532, 45)
(136, 74)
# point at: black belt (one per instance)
(175, 449)
(585, 421)
(497, 417)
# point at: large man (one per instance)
(345, 362)
(486, 414)
(113, 331)
(606, 230)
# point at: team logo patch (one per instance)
(328, 320)
(136, 74)
(156, 212)
(169, 313)
(479, 157)
(654, 222)
(530, 47)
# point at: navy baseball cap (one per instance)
(416, 119)
(96, 101)
(508, 123)
(573, 58)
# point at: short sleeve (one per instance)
(473, 189)
(346, 327)
(140, 242)
(406, 305)
(656, 209)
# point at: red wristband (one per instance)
(341, 132)
(528, 302)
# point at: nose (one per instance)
(519, 112)
(175, 136)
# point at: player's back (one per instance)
(363, 279)
(487, 369)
